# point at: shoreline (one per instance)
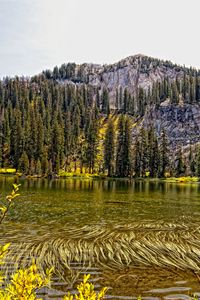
(183, 179)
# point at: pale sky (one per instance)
(39, 34)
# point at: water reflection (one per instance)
(84, 202)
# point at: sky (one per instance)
(38, 34)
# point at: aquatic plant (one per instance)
(148, 244)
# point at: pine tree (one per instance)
(144, 152)
(67, 134)
(1, 144)
(126, 101)
(44, 161)
(105, 102)
(17, 138)
(76, 124)
(24, 163)
(137, 158)
(92, 143)
(164, 154)
(180, 167)
(153, 153)
(109, 148)
(38, 168)
(123, 156)
(40, 137)
(198, 164)
(57, 145)
(32, 167)
(50, 168)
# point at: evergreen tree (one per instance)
(144, 152)
(32, 167)
(164, 154)
(180, 167)
(137, 159)
(50, 168)
(92, 143)
(198, 164)
(109, 148)
(44, 161)
(24, 163)
(123, 156)
(17, 138)
(1, 144)
(153, 153)
(57, 146)
(126, 101)
(105, 102)
(38, 168)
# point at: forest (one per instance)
(48, 125)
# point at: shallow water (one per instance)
(148, 232)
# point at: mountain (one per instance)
(142, 113)
(180, 117)
(130, 73)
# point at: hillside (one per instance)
(145, 110)
(178, 113)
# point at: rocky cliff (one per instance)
(132, 73)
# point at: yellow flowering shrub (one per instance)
(3, 251)
(86, 291)
(24, 283)
(9, 201)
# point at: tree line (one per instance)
(46, 125)
(146, 155)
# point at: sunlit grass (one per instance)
(182, 179)
(7, 171)
(79, 175)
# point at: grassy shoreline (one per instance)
(63, 174)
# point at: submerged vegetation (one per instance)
(162, 245)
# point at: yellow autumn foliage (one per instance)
(24, 283)
(86, 291)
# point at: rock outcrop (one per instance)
(133, 72)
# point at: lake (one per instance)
(136, 237)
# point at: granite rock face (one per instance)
(181, 123)
(131, 73)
